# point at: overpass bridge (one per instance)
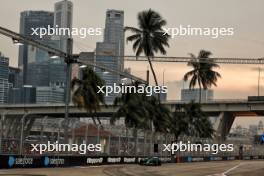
(225, 110)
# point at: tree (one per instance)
(149, 38)
(191, 121)
(202, 73)
(132, 106)
(142, 112)
(85, 95)
(159, 115)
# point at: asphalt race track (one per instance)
(228, 168)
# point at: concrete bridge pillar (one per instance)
(223, 125)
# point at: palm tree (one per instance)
(159, 115)
(85, 95)
(149, 38)
(191, 122)
(132, 106)
(202, 73)
(142, 112)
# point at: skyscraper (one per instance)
(109, 51)
(57, 73)
(63, 19)
(25, 94)
(38, 74)
(114, 33)
(4, 85)
(28, 20)
(50, 94)
(13, 75)
(106, 52)
(63, 14)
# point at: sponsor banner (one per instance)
(113, 160)
(16, 161)
(95, 160)
(165, 159)
(13, 161)
(195, 159)
(129, 160)
(215, 158)
(48, 161)
(246, 158)
(228, 158)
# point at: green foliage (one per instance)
(85, 95)
(202, 72)
(141, 111)
(149, 37)
(191, 122)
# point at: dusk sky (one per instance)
(246, 17)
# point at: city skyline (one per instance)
(246, 42)
(177, 84)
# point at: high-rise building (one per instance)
(63, 14)
(29, 20)
(4, 85)
(109, 51)
(57, 73)
(25, 95)
(13, 76)
(188, 95)
(37, 55)
(106, 52)
(114, 33)
(63, 19)
(49, 95)
(38, 74)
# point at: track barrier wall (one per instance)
(18, 161)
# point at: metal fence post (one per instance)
(119, 144)
(2, 131)
(86, 133)
(22, 134)
(109, 143)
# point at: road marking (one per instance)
(233, 168)
(227, 171)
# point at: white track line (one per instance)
(233, 168)
(227, 171)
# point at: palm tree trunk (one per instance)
(200, 91)
(154, 75)
(94, 121)
(99, 121)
